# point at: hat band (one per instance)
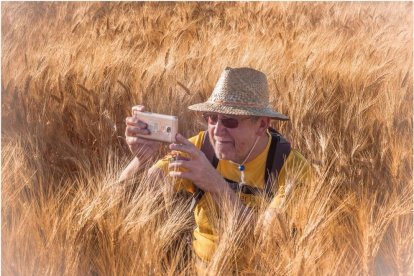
(238, 104)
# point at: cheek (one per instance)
(242, 143)
(210, 131)
(240, 146)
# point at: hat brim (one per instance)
(238, 110)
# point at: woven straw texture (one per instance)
(240, 91)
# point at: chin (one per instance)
(227, 156)
(224, 151)
(223, 155)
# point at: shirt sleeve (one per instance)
(295, 170)
(180, 183)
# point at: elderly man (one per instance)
(236, 159)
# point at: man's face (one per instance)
(233, 136)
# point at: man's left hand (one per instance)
(197, 168)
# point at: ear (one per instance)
(263, 124)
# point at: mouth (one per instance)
(223, 145)
(224, 148)
(223, 142)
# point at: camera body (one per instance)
(162, 127)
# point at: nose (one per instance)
(219, 129)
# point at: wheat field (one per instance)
(71, 71)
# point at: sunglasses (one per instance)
(227, 122)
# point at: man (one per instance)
(228, 163)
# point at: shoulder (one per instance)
(296, 162)
(296, 156)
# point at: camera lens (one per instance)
(168, 129)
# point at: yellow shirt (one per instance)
(205, 238)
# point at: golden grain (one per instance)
(71, 71)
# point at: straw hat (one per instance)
(240, 91)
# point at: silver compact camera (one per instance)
(162, 127)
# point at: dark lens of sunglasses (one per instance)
(227, 122)
(230, 122)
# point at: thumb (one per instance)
(181, 139)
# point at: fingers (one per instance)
(137, 140)
(179, 174)
(138, 108)
(184, 145)
(181, 167)
(134, 118)
(134, 131)
(138, 145)
(133, 121)
(191, 150)
(174, 165)
(135, 127)
(182, 140)
(176, 156)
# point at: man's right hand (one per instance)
(141, 148)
